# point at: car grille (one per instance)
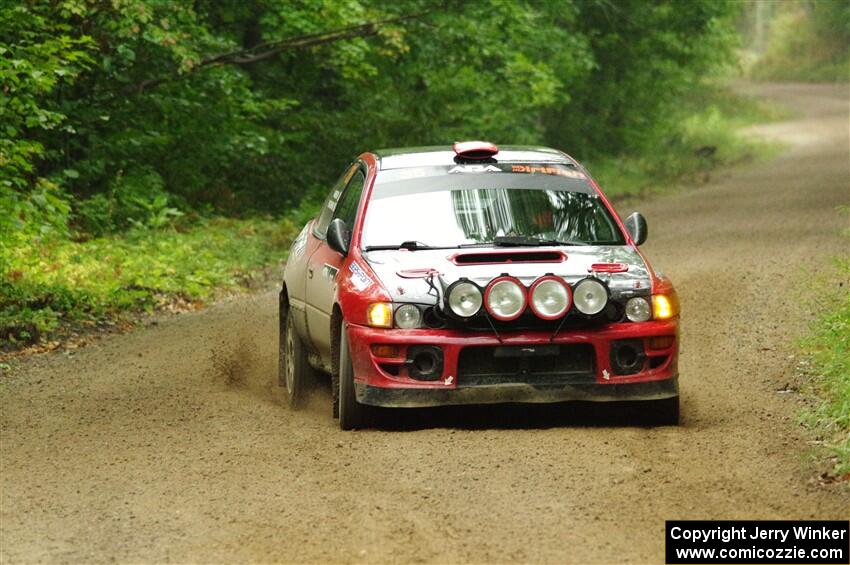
(538, 365)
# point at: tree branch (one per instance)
(269, 49)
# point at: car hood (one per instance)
(402, 272)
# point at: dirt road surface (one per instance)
(173, 443)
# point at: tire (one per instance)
(294, 372)
(664, 412)
(352, 414)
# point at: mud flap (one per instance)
(335, 393)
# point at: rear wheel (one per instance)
(352, 414)
(294, 372)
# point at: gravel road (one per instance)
(172, 443)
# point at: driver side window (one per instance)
(347, 207)
(320, 229)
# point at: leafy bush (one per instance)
(137, 200)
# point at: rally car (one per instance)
(472, 274)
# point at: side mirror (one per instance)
(338, 236)
(636, 225)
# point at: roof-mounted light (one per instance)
(475, 150)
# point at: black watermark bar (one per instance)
(757, 541)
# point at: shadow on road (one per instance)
(513, 416)
(501, 416)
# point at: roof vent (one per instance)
(474, 150)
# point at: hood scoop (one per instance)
(508, 256)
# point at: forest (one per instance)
(154, 152)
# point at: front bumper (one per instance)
(504, 393)
(385, 381)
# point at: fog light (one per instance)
(550, 297)
(505, 298)
(590, 296)
(463, 298)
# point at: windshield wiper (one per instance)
(409, 245)
(522, 241)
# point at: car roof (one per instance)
(400, 158)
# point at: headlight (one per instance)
(590, 297)
(664, 306)
(380, 314)
(464, 299)
(408, 316)
(638, 310)
(550, 297)
(505, 298)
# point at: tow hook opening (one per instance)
(627, 356)
(424, 362)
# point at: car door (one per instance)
(295, 272)
(323, 266)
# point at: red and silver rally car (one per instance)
(470, 275)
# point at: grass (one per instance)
(828, 347)
(707, 139)
(60, 285)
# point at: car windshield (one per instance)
(499, 204)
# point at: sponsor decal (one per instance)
(544, 170)
(475, 169)
(359, 279)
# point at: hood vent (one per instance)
(608, 268)
(512, 256)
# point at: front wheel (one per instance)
(352, 414)
(294, 371)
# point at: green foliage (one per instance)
(646, 58)
(808, 40)
(72, 283)
(126, 125)
(705, 139)
(108, 91)
(829, 349)
(39, 58)
(136, 200)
